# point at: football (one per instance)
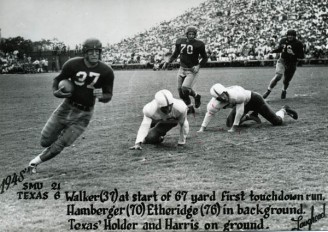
(66, 86)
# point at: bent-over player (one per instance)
(242, 101)
(73, 115)
(161, 115)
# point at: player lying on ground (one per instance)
(242, 101)
(73, 115)
(160, 116)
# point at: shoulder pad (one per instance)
(181, 40)
(179, 105)
(150, 108)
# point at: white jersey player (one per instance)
(160, 116)
(242, 101)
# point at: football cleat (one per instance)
(31, 169)
(191, 110)
(290, 112)
(283, 94)
(197, 101)
(266, 94)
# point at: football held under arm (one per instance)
(66, 73)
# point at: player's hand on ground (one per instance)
(60, 94)
(233, 129)
(136, 147)
(201, 129)
(196, 68)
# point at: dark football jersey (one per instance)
(85, 79)
(295, 45)
(189, 52)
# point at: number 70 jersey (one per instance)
(86, 79)
(189, 52)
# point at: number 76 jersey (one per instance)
(86, 79)
(189, 52)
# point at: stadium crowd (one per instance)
(10, 63)
(232, 30)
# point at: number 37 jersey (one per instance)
(189, 52)
(85, 79)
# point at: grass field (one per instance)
(260, 158)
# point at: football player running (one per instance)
(161, 115)
(73, 115)
(241, 101)
(189, 49)
(291, 50)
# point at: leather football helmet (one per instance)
(164, 98)
(217, 90)
(91, 43)
(191, 29)
(291, 32)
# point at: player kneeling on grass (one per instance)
(160, 116)
(242, 101)
(73, 115)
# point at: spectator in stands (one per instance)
(54, 65)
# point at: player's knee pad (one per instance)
(50, 152)
(184, 95)
(45, 142)
(185, 90)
